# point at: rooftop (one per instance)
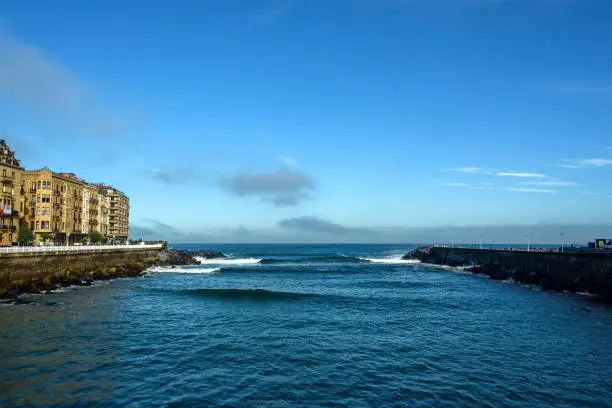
(7, 155)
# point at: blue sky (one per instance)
(312, 120)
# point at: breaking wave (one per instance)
(391, 260)
(179, 269)
(228, 261)
(311, 260)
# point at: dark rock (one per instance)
(548, 283)
(173, 256)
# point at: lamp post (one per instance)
(528, 244)
(562, 242)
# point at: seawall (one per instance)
(41, 271)
(571, 271)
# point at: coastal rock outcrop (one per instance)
(178, 257)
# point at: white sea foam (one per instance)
(392, 260)
(230, 261)
(169, 269)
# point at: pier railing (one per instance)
(76, 249)
(561, 250)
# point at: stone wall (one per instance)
(23, 272)
(573, 271)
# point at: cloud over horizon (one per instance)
(282, 188)
(315, 224)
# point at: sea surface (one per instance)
(307, 325)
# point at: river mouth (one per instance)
(314, 333)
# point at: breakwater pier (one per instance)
(38, 269)
(572, 271)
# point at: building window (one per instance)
(13, 174)
(10, 238)
(39, 184)
(37, 225)
(31, 225)
(33, 186)
(33, 200)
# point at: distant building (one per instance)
(57, 207)
(11, 203)
(119, 212)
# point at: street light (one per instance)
(562, 242)
(528, 243)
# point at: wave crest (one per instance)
(391, 260)
(178, 269)
(226, 261)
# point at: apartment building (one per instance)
(11, 203)
(104, 214)
(57, 207)
(54, 205)
(119, 212)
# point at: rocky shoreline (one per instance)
(555, 272)
(12, 289)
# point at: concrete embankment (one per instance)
(40, 270)
(571, 271)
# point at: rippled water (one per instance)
(307, 326)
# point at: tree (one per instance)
(45, 236)
(25, 235)
(95, 238)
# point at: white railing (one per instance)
(75, 249)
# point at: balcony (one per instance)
(7, 179)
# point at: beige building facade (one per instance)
(118, 214)
(59, 208)
(11, 201)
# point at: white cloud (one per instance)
(596, 162)
(485, 186)
(456, 184)
(584, 163)
(472, 170)
(519, 174)
(528, 190)
(288, 161)
(552, 183)
(49, 91)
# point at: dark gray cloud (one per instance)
(175, 175)
(156, 230)
(313, 230)
(282, 187)
(314, 224)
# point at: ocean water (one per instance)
(307, 325)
